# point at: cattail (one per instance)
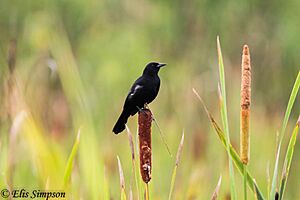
(245, 105)
(144, 121)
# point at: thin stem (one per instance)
(162, 136)
(147, 192)
(245, 182)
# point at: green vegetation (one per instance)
(63, 89)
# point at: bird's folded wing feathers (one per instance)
(134, 90)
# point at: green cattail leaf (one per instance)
(284, 124)
(268, 180)
(69, 166)
(288, 160)
(256, 193)
(173, 181)
(275, 174)
(233, 154)
(237, 161)
(225, 117)
(290, 105)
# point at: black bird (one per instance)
(143, 91)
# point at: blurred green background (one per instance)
(76, 60)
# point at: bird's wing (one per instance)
(134, 90)
(135, 96)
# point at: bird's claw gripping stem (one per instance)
(146, 106)
(141, 109)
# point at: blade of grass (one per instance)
(122, 180)
(134, 171)
(69, 166)
(238, 163)
(225, 117)
(216, 192)
(284, 125)
(288, 160)
(176, 166)
(106, 194)
(44, 154)
(234, 155)
(255, 188)
(268, 179)
(290, 105)
(274, 180)
(91, 166)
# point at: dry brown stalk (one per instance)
(144, 121)
(12, 109)
(130, 139)
(245, 105)
(11, 58)
(122, 180)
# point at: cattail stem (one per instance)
(245, 105)
(245, 112)
(144, 121)
(245, 181)
(147, 196)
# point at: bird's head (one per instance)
(152, 68)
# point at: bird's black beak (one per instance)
(161, 65)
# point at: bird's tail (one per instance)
(120, 125)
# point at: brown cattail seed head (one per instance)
(245, 105)
(246, 79)
(144, 121)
